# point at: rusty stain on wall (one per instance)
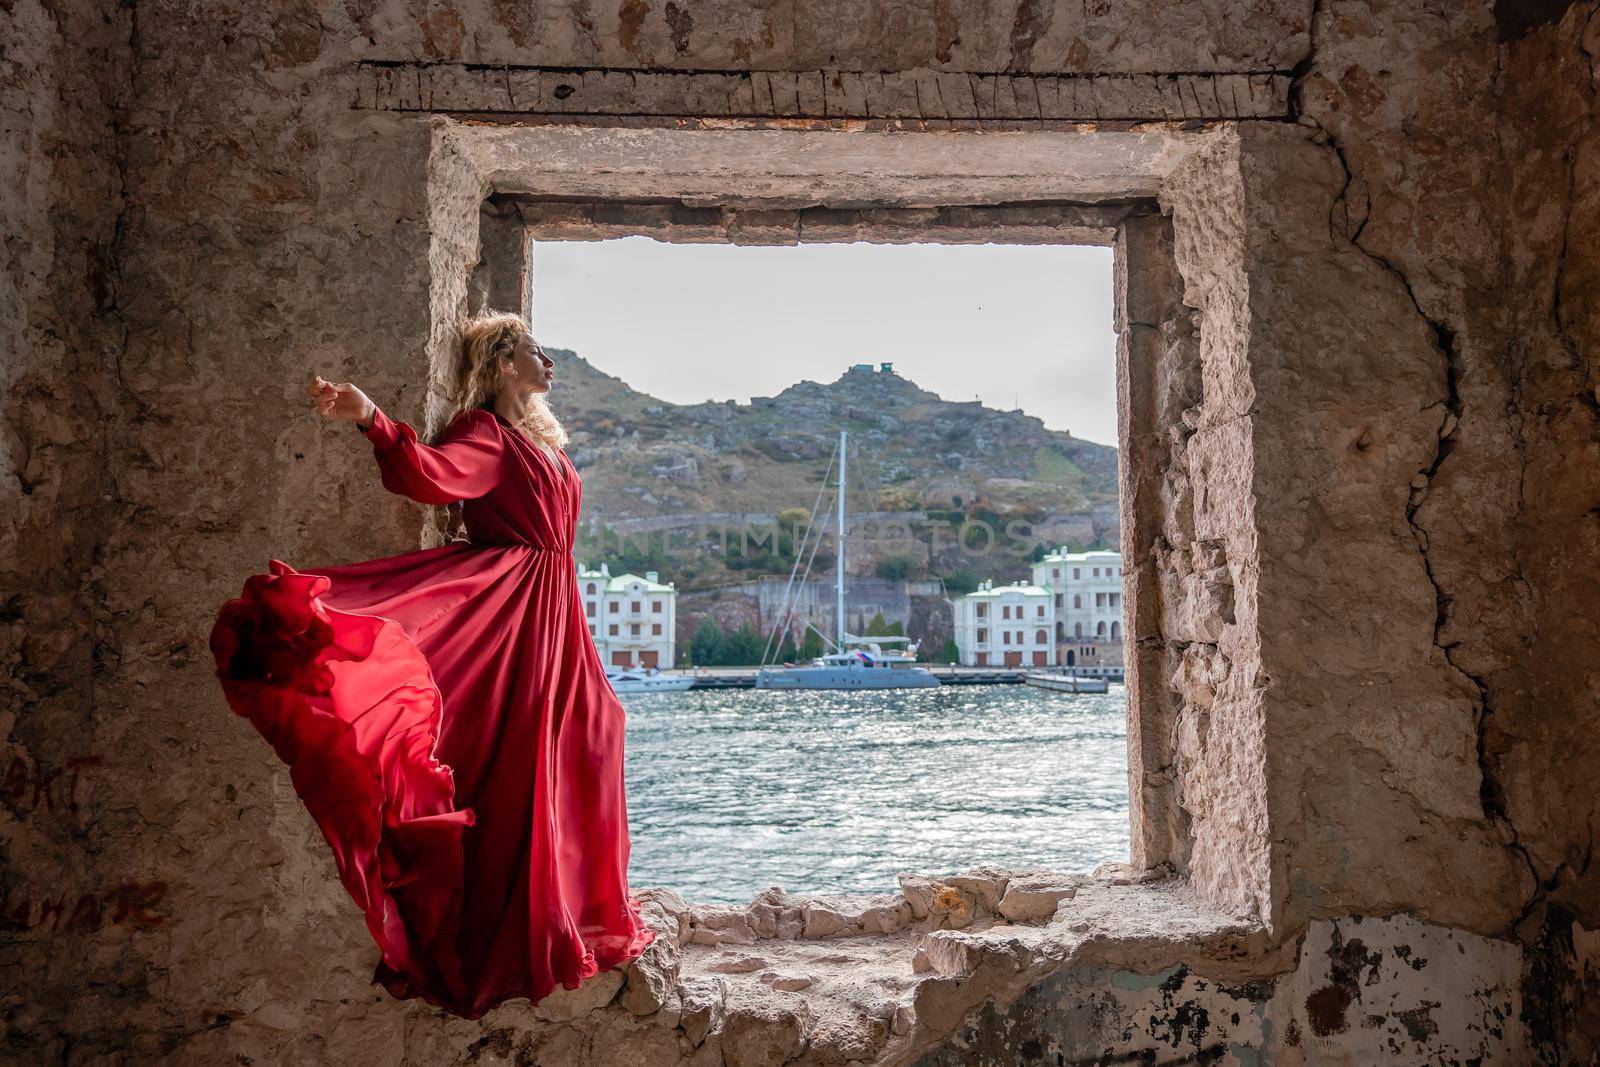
(28, 786)
(134, 903)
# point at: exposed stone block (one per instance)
(784, 89)
(938, 904)
(763, 227)
(564, 1005)
(887, 919)
(526, 89)
(1034, 898)
(823, 922)
(737, 963)
(651, 980)
(810, 94)
(788, 981)
(986, 885)
(945, 954)
(763, 1035)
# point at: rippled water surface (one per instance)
(730, 791)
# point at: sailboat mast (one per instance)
(839, 577)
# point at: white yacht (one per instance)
(646, 680)
(855, 662)
(865, 664)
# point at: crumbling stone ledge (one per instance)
(883, 978)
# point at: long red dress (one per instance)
(447, 721)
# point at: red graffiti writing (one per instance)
(132, 904)
(29, 786)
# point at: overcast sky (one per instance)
(1012, 325)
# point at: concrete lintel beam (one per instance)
(831, 94)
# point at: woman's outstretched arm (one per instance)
(465, 464)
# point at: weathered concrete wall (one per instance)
(1468, 178)
(1541, 724)
(1415, 307)
(1388, 478)
(1370, 730)
(63, 67)
(1360, 992)
(974, 36)
(1552, 86)
(253, 241)
(1407, 471)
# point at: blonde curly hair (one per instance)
(487, 340)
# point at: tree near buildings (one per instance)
(743, 647)
(708, 644)
(878, 626)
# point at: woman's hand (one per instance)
(341, 402)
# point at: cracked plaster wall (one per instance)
(1468, 177)
(1409, 111)
(1400, 358)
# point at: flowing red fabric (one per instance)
(447, 721)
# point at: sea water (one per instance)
(823, 791)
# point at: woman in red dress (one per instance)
(444, 713)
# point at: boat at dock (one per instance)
(646, 680)
(1066, 682)
(855, 662)
(864, 664)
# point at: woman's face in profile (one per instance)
(530, 368)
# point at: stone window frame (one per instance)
(1165, 198)
(501, 283)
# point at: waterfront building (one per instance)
(631, 618)
(1086, 591)
(1005, 626)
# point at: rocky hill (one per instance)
(651, 466)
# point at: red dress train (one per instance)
(447, 721)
